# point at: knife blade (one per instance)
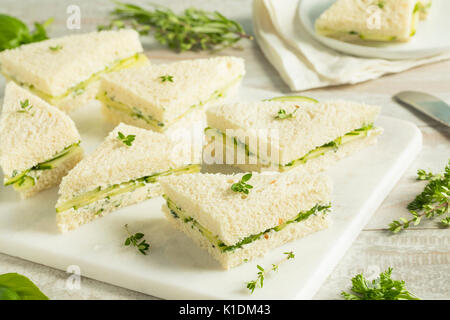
(432, 106)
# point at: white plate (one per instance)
(432, 35)
(175, 267)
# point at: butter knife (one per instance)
(431, 106)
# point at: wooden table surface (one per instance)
(420, 255)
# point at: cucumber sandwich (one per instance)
(39, 144)
(372, 20)
(66, 71)
(123, 170)
(235, 225)
(158, 96)
(281, 135)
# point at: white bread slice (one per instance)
(114, 163)
(231, 216)
(33, 137)
(312, 124)
(76, 59)
(386, 20)
(194, 83)
(257, 248)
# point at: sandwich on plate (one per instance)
(65, 71)
(369, 20)
(39, 144)
(237, 218)
(281, 135)
(123, 170)
(158, 96)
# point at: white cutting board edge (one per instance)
(99, 252)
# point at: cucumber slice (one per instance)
(26, 182)
(205, 232)
(60, 158)
(99, 194)
(334, 145)
(129, 188)
(293, 99)
(16, 178)
(47, 165)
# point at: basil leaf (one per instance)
(7, 294)
(13, 32)
(14, 286)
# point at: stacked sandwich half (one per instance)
(65, 71)
(39, 144)
(235, 227)
(274, 135)
(157, 97)
(384, 20)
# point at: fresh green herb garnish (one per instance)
(56, 48)
(25, 106)
(14, 33)
(381, 4)
(127, 140)
(135, 241)
(282, 114)
(262, 272)
(434, 201)
(445, 222)
(383, 288)
(194, 29)
(424, 175)
(242, 186)
(14, 286)
(165, 78)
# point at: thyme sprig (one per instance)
(252, 285)
(193, 29)
(135, 240)
(126, 140)
(382, 288)
(282, 114)
(56, 47)
(434, 201)
(167, 78)
(25, 106)
(242, 186)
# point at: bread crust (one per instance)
(257, 248)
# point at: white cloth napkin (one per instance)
(303, 62)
